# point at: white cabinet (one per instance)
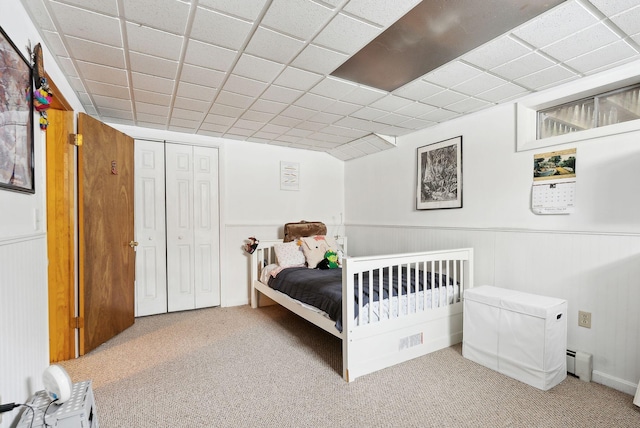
(177, 227)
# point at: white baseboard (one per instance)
(614, 382)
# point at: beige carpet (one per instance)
(243, 367)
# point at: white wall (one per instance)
(24, 336)
(589, 257)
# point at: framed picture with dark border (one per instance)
(16, 119)
(439, 181)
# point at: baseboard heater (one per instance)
(579, 364)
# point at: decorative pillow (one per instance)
(314, 248)
(289, 254)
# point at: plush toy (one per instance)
(252, 245)
(330, 260)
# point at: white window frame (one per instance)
(527, 108)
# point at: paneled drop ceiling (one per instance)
(260, 70)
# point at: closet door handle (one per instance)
(133, 244)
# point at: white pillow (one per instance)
(289, 254)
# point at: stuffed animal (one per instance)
(330, 260)
(252, 245)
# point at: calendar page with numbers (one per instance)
(554, 182)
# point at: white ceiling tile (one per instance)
(196, 92)
(234, 100)
(314, 102)
(418, 90)
(247, 9)
(391, 103)
(333, 87)
(496, 52)
(298, 18)
(87, 25)
(248, 124)
(55, 44)
(201, 76)
(151, 97)
(39, 14)
(102, 73)
(115, 115)
(383, 13)
(104, 102)
(109, 7)
(299, 132)
(151, 118)
(84, 98)
(153, 109)
(296, 78)
(258, 116)
(275, 46)
(319, 60)
(392, 119)
(194, 105)
(219, 120)
(468, 105)
(451, 74)
(76, 84)
(346, 34)
(581, 42)
(548, 77)
(611, 7)
(481, 83)
(325, 117)
(288, 122)
(276, 129)
(560, 22)
(107, 90)
(604, 57)
(281, 94)
(266, 106)
(440, 115)
(244, 86)
(343, 108)
(154, 42)
(184, 123)
(223, 30)
(212, 129)
(265, 135)
(165, 15)
(415, 109)
(523, 66)
(311, 126)
(502, 93)
(257, 68)
(67, 67)
(298, 112)
(417, 124)
(153, 65)
(369, 113)
(85, 50)
(209, 56)
(152, 83)
(363, 95)
(444, 98)
(628, 21)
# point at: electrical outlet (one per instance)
(584, 319)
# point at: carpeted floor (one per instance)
(243, 367)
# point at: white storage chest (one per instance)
(521, 335)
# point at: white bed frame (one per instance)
(389, 341)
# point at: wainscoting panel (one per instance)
(594, 272)
(24, 336)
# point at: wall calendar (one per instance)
(554, 182)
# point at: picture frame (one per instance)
(16, 130)
(289, 176)
(439, 175)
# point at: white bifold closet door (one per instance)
(193, 267)
(177, 227)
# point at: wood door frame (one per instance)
(61, 241)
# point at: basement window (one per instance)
(609, 108)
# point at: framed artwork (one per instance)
(439, 183)
(16, 119)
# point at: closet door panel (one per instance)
(206, 227)
(180, 230)
(149, 209)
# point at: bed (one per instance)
(386, 309)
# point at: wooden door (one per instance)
(106, 229)
(151, 253)
(61, 235)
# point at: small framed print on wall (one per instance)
(439, 180)
(289, 176)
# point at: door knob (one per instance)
(133, 244)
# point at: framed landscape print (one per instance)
(439, 182)
(16, 119)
